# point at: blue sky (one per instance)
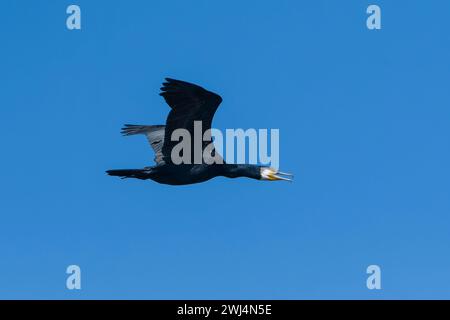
(363, 118)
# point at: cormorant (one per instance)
(188, 103)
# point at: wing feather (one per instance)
(154, 134)
(189, 103)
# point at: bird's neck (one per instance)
(241, 170)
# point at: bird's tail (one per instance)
(142, 174)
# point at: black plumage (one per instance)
(189, 103)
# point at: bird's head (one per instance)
(272, 174)
(254, 171)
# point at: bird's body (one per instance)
(184, 173)
(189, 104)
(189, 173)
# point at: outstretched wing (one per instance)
(154, 134)
(189, 103)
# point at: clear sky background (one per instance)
(364, 125)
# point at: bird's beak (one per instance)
(272, 174)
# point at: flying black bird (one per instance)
(188, 103)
